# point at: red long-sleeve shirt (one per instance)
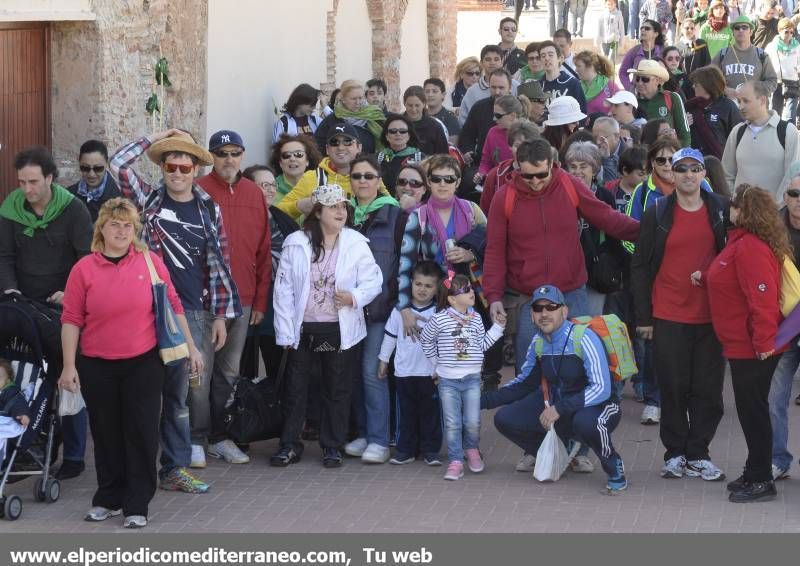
(247, 223)
(112, 304)
(539, 243)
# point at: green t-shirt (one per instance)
(716, 40)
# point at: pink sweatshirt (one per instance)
(495, 149)
(112, 304)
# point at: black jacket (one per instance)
(12, 402)
(479, 121)
(430, 135)
(653, 231)
(719, 118)
(111, 191)
(694, 56)
(38, 266)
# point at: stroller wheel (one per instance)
(52, 490)
(12, 508)
(38, 492)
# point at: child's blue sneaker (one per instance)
(616, 485)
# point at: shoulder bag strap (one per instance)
(154, 278)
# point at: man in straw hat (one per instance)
(184, 226)
(742, 61)
(655, 103)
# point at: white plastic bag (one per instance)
(70, 403)
(551, 459)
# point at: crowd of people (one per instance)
(395, 261)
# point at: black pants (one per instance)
(419, 416)
(691, 371)
(751, 380)
(336, 386)
(124, 402)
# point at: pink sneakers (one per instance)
(455, 471)
(474, 460)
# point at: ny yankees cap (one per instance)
(224, 137)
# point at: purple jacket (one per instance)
(631, 61)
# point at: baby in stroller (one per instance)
(14, 416)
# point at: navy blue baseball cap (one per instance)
(548, 293)
(688, 153)
(224, 137)
(342, 129)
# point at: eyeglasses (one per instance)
(529, 176)
(641, 79)
(741, 28)
(172, 167)
(686, 168)
(396, 131)
(336, 142)
(794, 193)
(473, 73)
(549, 307)
(446, 179)
(367, 176)
(223, 154)
(413, 183)
(645, 28)
(267, 185)
(296, 154)
(97, 168)
(498, 116)
(662, 160)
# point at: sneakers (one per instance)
(229, 451)
(135, 522)
(527, 463)
(581, 465)
(474, 460)
(179, 479)
(779, 473)
(737, 484)
(375, 454)
(704, 469)
(651, 415)
(617, 483)
(455, 471)
(284, 456)
(399, 459)
(331, 458)
(70, 469)
(754, 491)
(432, 460)
(674, 467)
(198, 457)
(97, 514)
(356, 448)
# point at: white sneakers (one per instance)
(651, 415)
(198, 457)
(356, 448)
(229, 451)
(375, 454)
(527, 463)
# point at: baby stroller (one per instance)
(21, 344)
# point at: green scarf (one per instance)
(592, 88)
(372, 115)
(13, 208)
(786, 49)
(361, 212)
(526, 75)
(388, 155)
(283, 189)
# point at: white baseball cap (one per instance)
(624, 96)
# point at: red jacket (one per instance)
(540, 242)
(744, 289)
(247, 224)
(495, 178)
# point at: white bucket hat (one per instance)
(328, 195)
(564, 110)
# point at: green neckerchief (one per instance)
(284, 188)
(526, 75)
(361, 212)
(593, 87)
(373, 116)
(785, 49)
(14, 209)
(387, 154)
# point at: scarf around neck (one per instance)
(363, 211)
(369, 117)
(717, 23)
(387, 154)
(663, 186)
(592, 88)
(463, 218)
(786, 49)
(92, 194)
(13, 208)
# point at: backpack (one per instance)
(613, 333)
(782, 124)
(762, 55)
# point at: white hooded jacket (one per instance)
(356, 272)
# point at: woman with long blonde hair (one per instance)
(468, 72)
(596, 73)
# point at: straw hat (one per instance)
(563, 110)
(179, 142)
(650, 68)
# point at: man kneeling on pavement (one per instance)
(582, 402)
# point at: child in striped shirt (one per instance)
(454, 340)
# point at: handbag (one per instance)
(790, 286)
(172, 347)
(551, 458)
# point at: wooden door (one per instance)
(24, 94)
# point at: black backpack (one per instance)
(782, 124)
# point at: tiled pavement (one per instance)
(414, 498)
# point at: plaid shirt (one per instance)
(223, 298)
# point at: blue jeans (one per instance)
(73, 435)
(633, 18)
(558, 14)
(643, 351)
(789, 108)
(780, 396)
(461, 409)
(175, 432)
(199, 408)
(370, 394)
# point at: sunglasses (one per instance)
(473, 73)
(336, 142)
(395, 131)
(367, 176)
(172, 167)
(498, 116)
(529, 176)
(413, 183)
(641, 79)
(296, 154)
(224, 154)
(741, 28)
(97, 168)
(793, 193)
(549, 307)
(461, 290)
(446, 179)
(686, 168)
(662, 160)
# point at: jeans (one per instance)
(633, 18)
(557, 20)
(461, 409)
(175, 430)
(577, 11)
(200, 323)
(789, 109)
(780, 396)
(643, 351)
(371, 394)
(73, 435)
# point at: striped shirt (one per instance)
(455, 343)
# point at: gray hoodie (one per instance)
(740, 66)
